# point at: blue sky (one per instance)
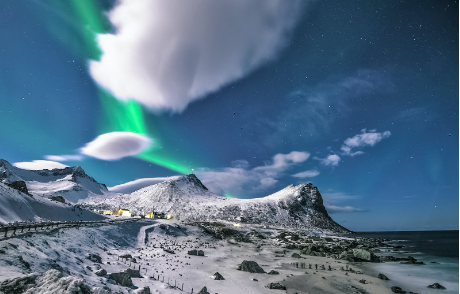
(359, 98)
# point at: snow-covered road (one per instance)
(141, 236)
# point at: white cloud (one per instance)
(135, 185)
(240, 180)
(64, 157)
(116, 145)
(165, 54)
(330, 160)
(39, 164)
(307, 174)
(335, 208)
(362, 140)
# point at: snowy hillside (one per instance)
(71, 182)
(18, 206)
(188, 199)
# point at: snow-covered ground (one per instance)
(67, 250)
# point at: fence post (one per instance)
(14, 230)
(182, 287)
(22, 231)
(6, 231)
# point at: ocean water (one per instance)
(437, 249)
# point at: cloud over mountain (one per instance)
(116, 145)
(39, 164)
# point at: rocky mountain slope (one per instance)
(71, 182)
(186, 198)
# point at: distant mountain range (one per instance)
(72, 183)
(185, 198)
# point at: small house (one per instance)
(108, 212)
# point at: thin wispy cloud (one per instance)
(307, 174)
(76, 157)
(314, 109)
(330, 160)
(352, 146)
(240, 179)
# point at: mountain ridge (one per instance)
(186, 198)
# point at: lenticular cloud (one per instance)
(116, 145)
(165, 54)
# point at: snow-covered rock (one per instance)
(18, 206)
(186, 198)
(71, 182)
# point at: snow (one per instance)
(186, 198)
(71, 182)
(17, 206)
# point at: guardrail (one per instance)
(43, 226)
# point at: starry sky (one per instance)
(358, 97)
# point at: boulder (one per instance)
(20, 186)
(436, 286)
(192, 252)
(203, 290)
(145, 290)
(169, 251)
(364, 255)
(126, 256)
(101, 272)
(218, 276)
(382, 277)
(18, 285)
(396, 289)
(121, 278)
(200, 253)
(296, 255)
(250, 266)
(272, 272)
(275, 286)
(58, 198)
(94, 258)
(133, 273)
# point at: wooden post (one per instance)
(182, 287)
(174, 283)
(22, 231)
(6, 231)
(14, 230)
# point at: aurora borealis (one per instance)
(367, 93)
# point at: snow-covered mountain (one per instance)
(186, 198)
(72, 183)
(18, 206)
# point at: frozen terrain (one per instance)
(72, 183)
(186, 198)
(18, 206)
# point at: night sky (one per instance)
(358, 97)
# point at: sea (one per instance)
(439, 250)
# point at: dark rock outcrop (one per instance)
(101, 272)
(58, 198)
(203, 290)
(122, 278)
(383, 277)
(94, 258)
(18, 285)
(218, 276)
(272, 272)
(133, 273)
(19, 185)
(396, 289)
(276, 286)
(436, 286)
(250, 266)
